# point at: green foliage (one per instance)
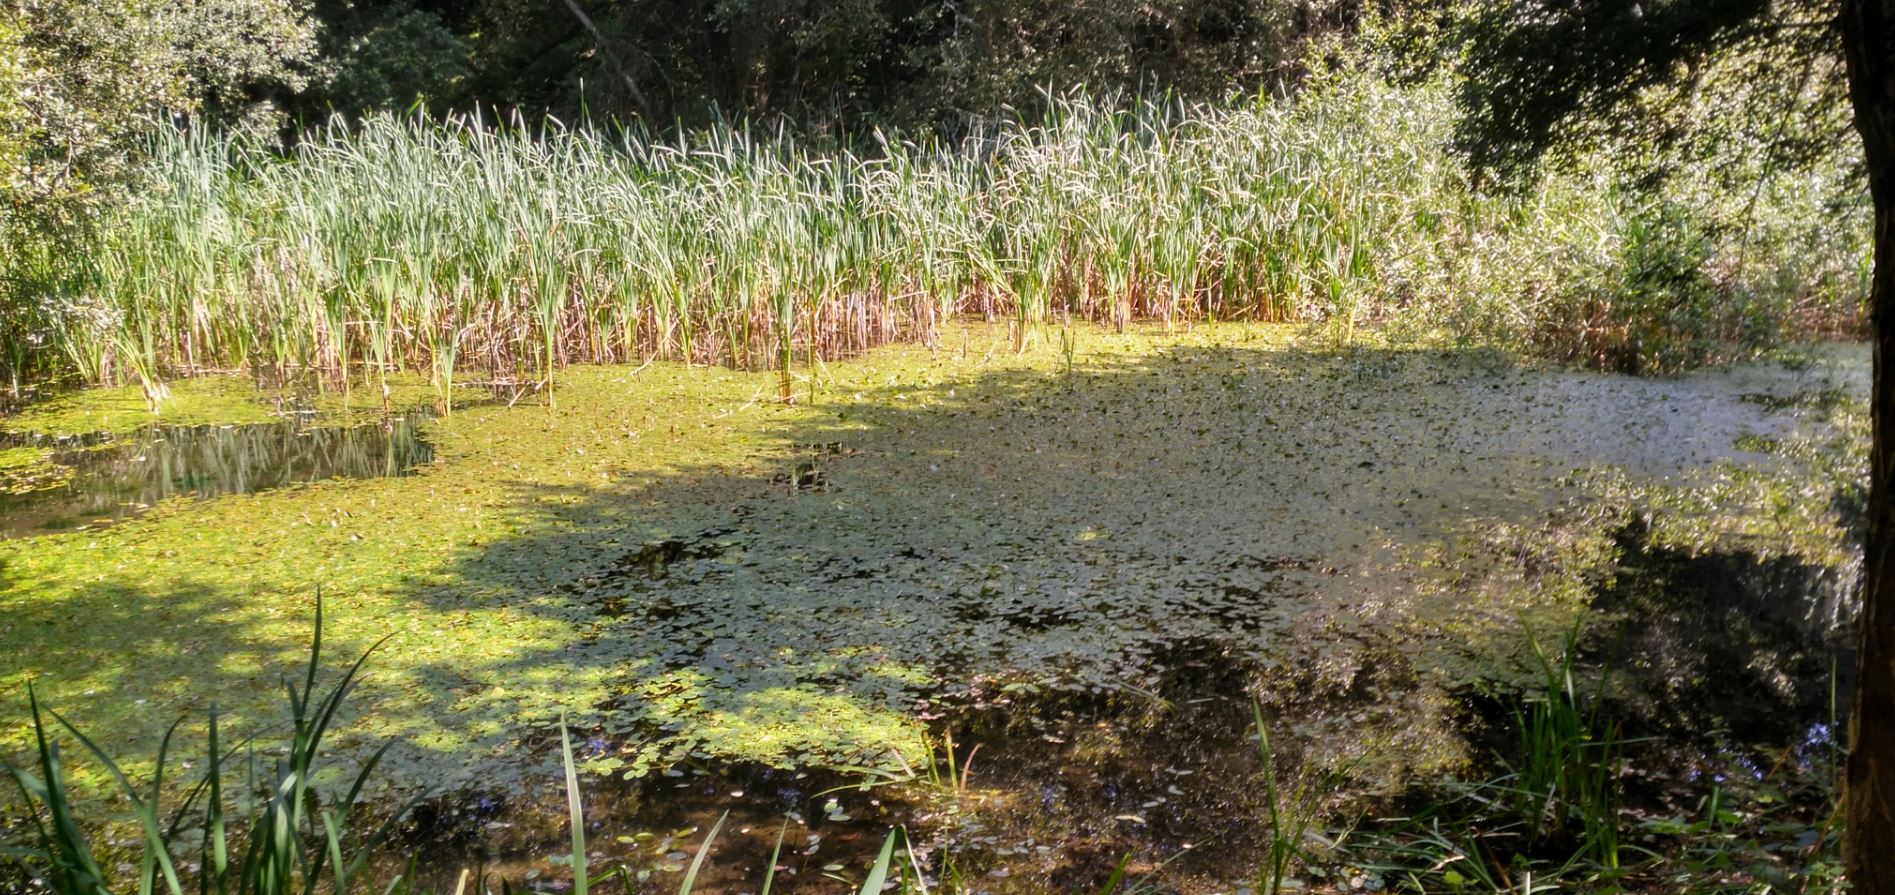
(1351, 211)
(576, 818)
(825, 66)
(1554, 819)
(1663, 301)
(1566, 787)
(292, 841)
(1744, 81)
(1292, 811)
(406, 243)
(1002, 53)
(1721, 129)
(83, 87)
(91, 81)
(388, 58)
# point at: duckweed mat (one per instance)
(1058, 547)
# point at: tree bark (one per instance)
(1868, 37)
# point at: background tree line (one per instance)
(82, 80)
(823, 62)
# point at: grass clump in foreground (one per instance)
(292, 840)
(474, 249)
(1560, 817)
(272, 834)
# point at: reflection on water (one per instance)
(113, 477)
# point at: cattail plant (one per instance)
(512, 248)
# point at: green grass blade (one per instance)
(575, 812)
(878, 874)
(697, 863)
(1118, 875)
(154, 841)
(769, 874)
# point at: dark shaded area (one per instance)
(1726, 663)
(1729, 639)
(846, 67)
(653, 826)
(1545, 77)
(1169, 773)
(1059, 787)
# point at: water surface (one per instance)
(112, 477)
(1087, 568)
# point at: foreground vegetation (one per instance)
(1556, 813)
(503, 251)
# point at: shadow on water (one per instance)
(1088, 578)
(1726, 670)
(1085, 576)
(106, 478)
(1726, 664)
(1055, 788)
(831, 824)
(1170, 775)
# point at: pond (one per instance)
(1079, 568)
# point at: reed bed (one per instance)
(470, 247)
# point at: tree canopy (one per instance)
(909, 62)
(1750, 82)
(1543, 74)
(85, 80)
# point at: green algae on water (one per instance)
(688, 567)
(219, 400)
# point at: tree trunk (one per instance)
(1868, 36)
